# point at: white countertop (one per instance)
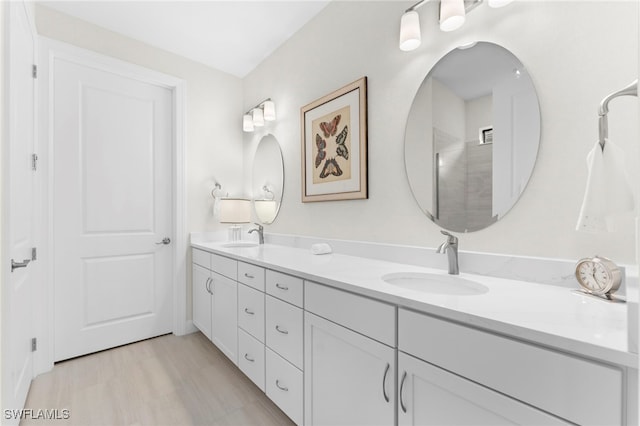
(545, 314)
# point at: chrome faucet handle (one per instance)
(451, 239)
(260, 227)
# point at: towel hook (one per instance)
(603, 122)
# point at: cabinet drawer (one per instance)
(251, 311)
(284, 386)
(284, 330)
(284, 287)
(201, 257)
(575, 389)
(251, 275)
(224, 266)
(374, 319)
(251, 358)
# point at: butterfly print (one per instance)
(329, 129)
(330, 168)
(321, 144)
(341, 149)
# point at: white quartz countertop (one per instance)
(548, 315)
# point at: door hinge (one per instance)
(34, 162)
(34, 344)
(34, 71)
(34, 253)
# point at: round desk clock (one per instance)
(598, 276)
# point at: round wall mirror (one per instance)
(472, 137)
(268, 179)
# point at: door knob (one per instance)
(164, 241)
(16, 265)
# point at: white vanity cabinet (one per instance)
(283, 334)
(349, 376)
(215, 300)
(463, 367)
(428, 396)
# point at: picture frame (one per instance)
(334, 145)
(485, 135)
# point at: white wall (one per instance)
(478, 113)
(214, 105)
(576, 53)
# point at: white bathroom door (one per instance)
(112, 202)
(19, 233)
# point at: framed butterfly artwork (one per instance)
(334, 145)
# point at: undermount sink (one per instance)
(435, 283)
(240, 244)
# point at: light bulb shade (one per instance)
(247, 123)
(498, 3)
(266, 210)
(410, 31)
(269, 110)
(452, 14)
(258, 117)
(235, 210)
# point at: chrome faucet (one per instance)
(260, 231)
(451, 248)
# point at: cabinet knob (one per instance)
(281, 330)
(282, 287)
(248, 312)
(246, 356)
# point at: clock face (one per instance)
(594, 277)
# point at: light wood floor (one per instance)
(167, 380)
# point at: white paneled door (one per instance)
(112, 219)
(20, 180)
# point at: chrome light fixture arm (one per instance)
(603, 121)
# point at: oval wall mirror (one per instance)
(472, 137)
(268, 179)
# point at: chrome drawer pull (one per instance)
(284, 388)
(281, 331)
(248, 312)
(404, 377)
(282, 287)
(246, 356)
(384, 382)
(249, 276)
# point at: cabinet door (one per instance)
(224, 315)
(349, 379)
(429, 395)
(201, 300)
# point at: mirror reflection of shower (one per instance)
(472, 137)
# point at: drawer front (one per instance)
(224, 266)
(575, 389)
(201, 257)
(374, 319)
(251, 275)
(251, 311)
(284, 386)
(284, 330)
(284, 287)
(251, 358)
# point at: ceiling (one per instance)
(231, 36)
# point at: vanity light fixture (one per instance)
(452, 16)
(256, 116)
